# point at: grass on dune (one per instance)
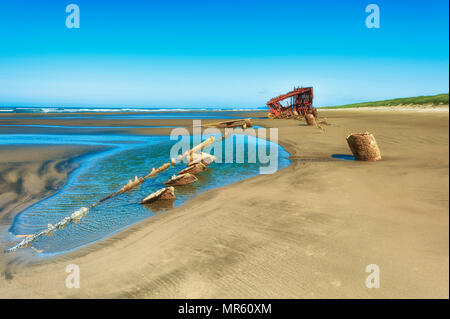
(440, 99)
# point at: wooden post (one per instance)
(364, 146)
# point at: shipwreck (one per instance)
(298, 103)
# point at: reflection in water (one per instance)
(104, 173)
(161, 205)
(343, 157)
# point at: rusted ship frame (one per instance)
(299, 102)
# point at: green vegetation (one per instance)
(440, 99)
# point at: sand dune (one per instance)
(397, 108)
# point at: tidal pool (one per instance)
(103, 173)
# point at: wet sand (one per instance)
(307, 231)
(31, 172)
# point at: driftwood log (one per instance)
(244, 123)
(163, 193)
(190, 154)
(364, 146)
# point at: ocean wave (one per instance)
(118, 110)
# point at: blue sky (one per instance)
(219, 53)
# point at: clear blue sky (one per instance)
(219, 53)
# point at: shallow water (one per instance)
(344, 157)
(139, 116)
(83, 127)
(103, 173)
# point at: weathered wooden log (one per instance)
(203, 158)
(189, 154)
(193, 169)
(132, 184)
(231, 123)
(162, 194)
(182, 179)
(74, 217)
(310, 119)
(364, 146)
(137, 181)
(247, 123)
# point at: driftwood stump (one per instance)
(182, 179)
(203, 158)
(163, 193)
(364, 146)
(310, 119)
(248, 123)
(193, 169)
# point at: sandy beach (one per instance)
(307, 231)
